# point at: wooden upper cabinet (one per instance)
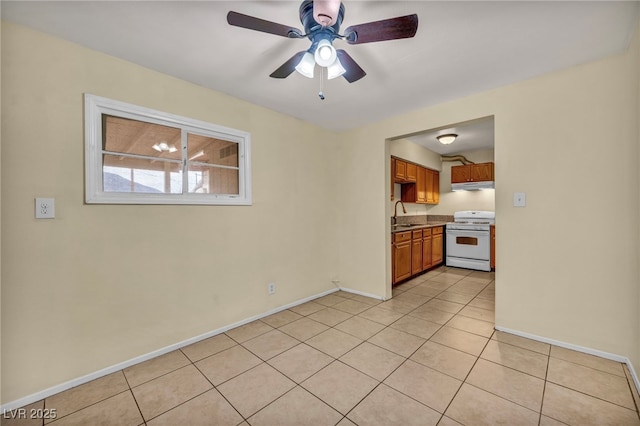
(460, 174)
(426, 190)
(418, 184)
(412, 172)
(481, 172)
(393, 177)
(433, 187)
(422, 185)
(472, 173)
(400, 170)
(404, 171)
(436, 188)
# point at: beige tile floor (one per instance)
(428, 356)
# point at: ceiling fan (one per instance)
(321, 20)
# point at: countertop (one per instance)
(404, 227)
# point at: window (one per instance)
(135, 155)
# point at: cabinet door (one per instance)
(482, 172)
(436, 187)
(426, 252)
(412, 172)
(401, 261)
(401, 252)
(433, 187)
(429, 186)
(436, 246)
(393, 177)
(422, 185)
(460, 174)
(416, 256)
(400, 174)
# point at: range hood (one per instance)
(473, 186)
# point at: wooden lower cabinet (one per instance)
(401, 253)
(427, 260)
(437, 244)
(414, 252)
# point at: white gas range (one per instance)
(469, 241)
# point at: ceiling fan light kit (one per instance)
(335, 70)
(325, 53)
(306, 65)
(321, 20)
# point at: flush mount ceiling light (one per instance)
(164, 147)
(447, 139)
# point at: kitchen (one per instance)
(472, 144)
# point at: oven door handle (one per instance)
(463, 232)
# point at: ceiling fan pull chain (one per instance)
(321, 93)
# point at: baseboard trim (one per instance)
(361, 293)
(29, 399)
(578, 348)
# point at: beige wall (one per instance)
(0, 216)
(635, 49)
(567, 263)
(94, 287)
(103, 284)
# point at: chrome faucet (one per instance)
(395, 211)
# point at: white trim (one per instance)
(95, 106)
(583, 349)
(361, 293)
(29, 399)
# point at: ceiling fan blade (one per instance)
(288, 67)
(354, 72)
(257, 24)
(387, 29)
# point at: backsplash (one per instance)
(424, 219)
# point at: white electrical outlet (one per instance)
(271, 288)
(45, 208)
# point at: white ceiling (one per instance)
(460, 48)
(472, 135)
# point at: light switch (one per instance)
(519, 199)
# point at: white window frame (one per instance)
(96, 106)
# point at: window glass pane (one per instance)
(140, 138)
(204, 149)
(136, 155)
(140, 175)
(205, 179)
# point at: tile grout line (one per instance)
(134, 396)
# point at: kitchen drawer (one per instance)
(400, 237)
(436, 230)
(417, 234)
(426, 232)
